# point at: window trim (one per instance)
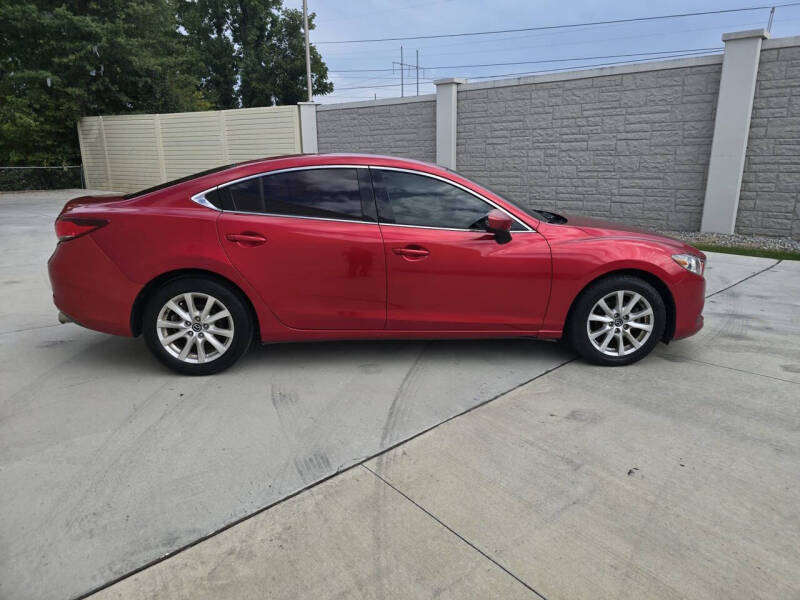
(200, 197)
(527, 227)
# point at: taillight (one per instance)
(69, 229)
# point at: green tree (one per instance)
(208, 25)
(61, 60)
(281, 73)
(253, 52)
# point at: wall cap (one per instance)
(381, 102)
(713, 59)
(449, 80)
(743, 35)
(782, 42)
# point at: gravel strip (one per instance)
(736, 240)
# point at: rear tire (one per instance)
(197, 326)
(617, 321)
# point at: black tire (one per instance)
(578, 334)
(239, 322)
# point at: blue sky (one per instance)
(346, 19)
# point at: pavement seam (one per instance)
(725, 289)
(358, 463)
(710, 364)
(458, 535)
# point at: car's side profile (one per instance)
(317, 247)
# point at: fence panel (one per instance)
(126, 153)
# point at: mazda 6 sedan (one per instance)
(321, 247)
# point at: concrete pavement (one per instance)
(672, 478)
(108, 461)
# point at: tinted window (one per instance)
(420, 200)
(327, 193)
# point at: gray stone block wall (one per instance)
(404, 129)
(633, 147)
(769, 202)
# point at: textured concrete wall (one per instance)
(633, 147)
(768, 203)
(406, 129)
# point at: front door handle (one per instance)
(246, 238)
(411, 252)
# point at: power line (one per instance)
(564, 26)
(577, 67)
(531, 62)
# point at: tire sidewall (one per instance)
(579, 338)
(242, 323)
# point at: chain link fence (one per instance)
(15, 178)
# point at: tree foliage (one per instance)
(64, 59)
(266, 42)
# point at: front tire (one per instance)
(617, 321)
(197, 326)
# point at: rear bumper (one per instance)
(90, 289)
(690, 296)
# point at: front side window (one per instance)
(321, 193)
(428, 202)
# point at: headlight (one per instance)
(690, 262)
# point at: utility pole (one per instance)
(308, 52)
(771, 16)
(402, 66)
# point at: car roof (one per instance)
(335, 158)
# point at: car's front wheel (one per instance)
(197, 326)
(617, 321)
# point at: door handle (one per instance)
(247, 239)
(412, 252)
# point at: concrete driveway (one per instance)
(675, 477)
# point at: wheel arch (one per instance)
(139, 303)
(654, 280)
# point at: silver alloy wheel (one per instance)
(620, 323)
(195, 328)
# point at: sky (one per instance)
(453, 57)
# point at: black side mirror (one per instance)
(499, 223)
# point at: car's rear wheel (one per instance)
(197, 326)
(617, 321)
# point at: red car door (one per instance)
(447, 273)
(308, 241)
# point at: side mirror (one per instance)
(499, 223)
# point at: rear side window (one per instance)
(322, 193)
(428, 202)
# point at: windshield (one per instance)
(161, 186)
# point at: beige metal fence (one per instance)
(126, 153)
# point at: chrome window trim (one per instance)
(261, 214)
(200, 198)
(453, 183)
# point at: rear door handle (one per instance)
(412, 252)
(246, 239)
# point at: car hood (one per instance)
(602, 228)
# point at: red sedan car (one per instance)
(320, 247)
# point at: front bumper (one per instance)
(89, 289)
(689, 294)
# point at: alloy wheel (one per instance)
(620, 323)
(195, 328)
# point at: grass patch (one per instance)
(745, 251)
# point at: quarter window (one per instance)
(428, 202)
(323, 193)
